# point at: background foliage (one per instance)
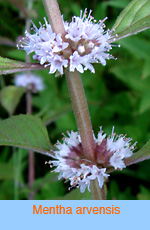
(118, 94)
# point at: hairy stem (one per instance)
(82, 116)
(77, 95)
(97, 192)
(75, 86)
(81, 112)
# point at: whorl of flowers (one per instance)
(85, 37)
(71, 164)
(31, 82)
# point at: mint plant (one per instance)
(70, 49)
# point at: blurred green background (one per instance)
(118, 95)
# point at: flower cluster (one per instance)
(31, 82)
(72, 165)
(85, 37)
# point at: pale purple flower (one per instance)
(31, 82)
(76, 62)
(87, 41)
(72, 165)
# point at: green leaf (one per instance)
(116, 3)
(131, 75)
(16, 54)
(25, 131)
(6, 171)
(10, 97)
(145, 102)
(48, 187)
(133, 19)
(146, 70)
(144, 193)
(8, 66)
(53, 115)
(141, 155)
(138, 47)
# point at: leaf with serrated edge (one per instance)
(8, 66)
(25, 131)
(133, 19)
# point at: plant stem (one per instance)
(75, 86)
(81, 112)
(82, 116)
(31, 153)
(15, 166)
(28, 102)
(2, 82)
(17, 156)
(77, 94)
(29, 111)
(97, 192)
(54, 16)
